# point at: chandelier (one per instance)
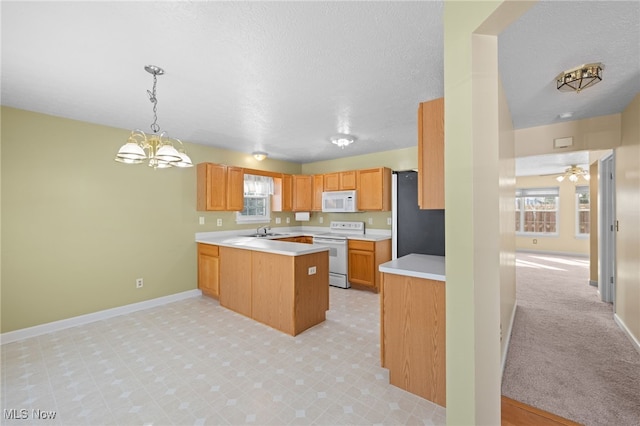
(157, 147)
(580, 78)
(342, 140)
(574, 173)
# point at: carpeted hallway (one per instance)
(567, 355)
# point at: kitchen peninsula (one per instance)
(284, 285)
(412, 324)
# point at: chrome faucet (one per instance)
(264, 229)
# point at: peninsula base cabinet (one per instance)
(288, 293)
(364, 258)
(412, 335)
(209, 269)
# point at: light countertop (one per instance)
(417, 265)
(263, 244)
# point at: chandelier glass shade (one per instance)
(342, 140)
(156, 147)
(579, 78)
(574, 173)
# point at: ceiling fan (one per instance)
(574, 173)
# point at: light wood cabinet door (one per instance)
(332, 182)
(431, 155)
(219, 187)
(317, 189)
(348, 180)
(287, 193)
(208, 270)
(235, 280)
(302, 193)
(374, 189)
(361, 267)
(235, 189)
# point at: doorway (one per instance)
(607, 230)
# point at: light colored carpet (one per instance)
(567, 355)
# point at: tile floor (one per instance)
(193, 363)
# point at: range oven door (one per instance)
(337, 260)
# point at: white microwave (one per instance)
(339, 201)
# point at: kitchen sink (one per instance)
(269, 234)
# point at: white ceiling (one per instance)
(282, 77)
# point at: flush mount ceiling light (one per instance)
(580, 78)
(573, 173)
(342, 140)
(258, 155)
(157, 147)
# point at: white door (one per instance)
(607, 230)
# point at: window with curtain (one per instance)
(537, 211)
(583, 211)
(257, 196)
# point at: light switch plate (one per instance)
(321, 219)
(312, 270)
(278, 220)
(201, 220)
(288, 220)
(388, 221)
(370, 221)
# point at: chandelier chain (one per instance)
(155, 127)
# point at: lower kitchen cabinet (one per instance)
(364, 259)
(209, 270)
(288, 293)
(413, 335)
(235, 280)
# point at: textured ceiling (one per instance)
(282, 77)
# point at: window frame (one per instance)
(246, 219)
(582, 189)
(547, 192)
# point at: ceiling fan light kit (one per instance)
(259, 155)
(574, 173)
(157, 147)
(579, 78)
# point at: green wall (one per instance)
(78, 228)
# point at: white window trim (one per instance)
(577, 212)
(539, 192)
(240, 219)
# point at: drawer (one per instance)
(362, 245)
(208, 249)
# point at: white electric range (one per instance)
(336, 241)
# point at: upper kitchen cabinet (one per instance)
(219, 187)
(317, 188)
(431, 155)
(340, 181)
(302, 193)
(374, 189)
(282, 200)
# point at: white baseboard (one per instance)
(505, 351)
(623, 326)
(593, 283)
(38, 330)
(557, 253)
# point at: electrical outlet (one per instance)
(312, 270)
(370, 221)
(388, 221)
(139, 283)
(278, 220)
(201, 219)
(219, 222)
(288, 220)
(321, 219)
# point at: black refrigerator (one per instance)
(414, 230)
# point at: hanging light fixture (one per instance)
(574, 173)
(580, 78)
(157, 147)
(342, 140)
